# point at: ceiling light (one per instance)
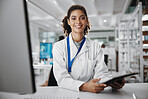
(44, 41)
(55, 2)
(105, 20)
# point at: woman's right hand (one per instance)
(92, 86)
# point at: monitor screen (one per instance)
(45, 50)
(16, 68)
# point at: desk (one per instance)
(139, 89)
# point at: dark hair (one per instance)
(66, 27)
(103, 46)
(61, 37)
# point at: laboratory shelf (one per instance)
(145, 23)
(130, 45)
(145, 32)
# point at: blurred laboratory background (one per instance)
(120, 26)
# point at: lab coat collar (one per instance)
(85, 47)
(73, 48)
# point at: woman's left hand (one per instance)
(117, 85)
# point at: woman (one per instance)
(78, 62)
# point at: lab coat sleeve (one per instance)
(101, 70)
(64, 79)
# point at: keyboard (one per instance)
(47, 96)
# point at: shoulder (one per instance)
(59, 45)
(92, 43)
(94, 47)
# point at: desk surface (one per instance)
(139, 89)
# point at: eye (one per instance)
(73, 18)
(82, 18)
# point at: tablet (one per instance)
(118, 78)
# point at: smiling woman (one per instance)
(78, 62)
(77, 22)
(73, 17)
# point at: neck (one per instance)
(77, 37)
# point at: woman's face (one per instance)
(77, 21)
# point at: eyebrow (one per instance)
(75, 16)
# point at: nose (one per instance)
(78, 21)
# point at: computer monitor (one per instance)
(16, 68)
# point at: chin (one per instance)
(78, 31)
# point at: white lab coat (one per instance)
(88, 64)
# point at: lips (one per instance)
(78, 26)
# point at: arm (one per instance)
(118, 84)
(62, 76)
(92, 86)
(101, 71)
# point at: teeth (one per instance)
(78, 26)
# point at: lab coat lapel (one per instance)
(85, 47)
(73, 48)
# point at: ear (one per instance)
(68, 21)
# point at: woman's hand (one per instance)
(118, 84)
(92, 86)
